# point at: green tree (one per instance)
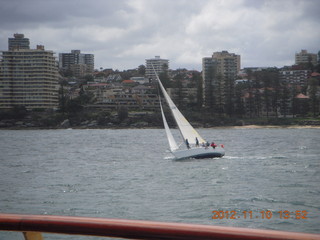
(122, 113)
(73, 106)
(239, 105)
(310, 64)
(178, 85)
(165, 79)
(76, 105)
(142, 70)
(19, 112)
(257, 102)
(198, 79)
(294, 108)
(89, 78)
(313, 90)
(267, 100)
(284, 100)
(62, 100)
(209, 88)
(229, 96)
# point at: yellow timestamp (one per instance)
(284, 214)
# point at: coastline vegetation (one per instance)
(20, 118)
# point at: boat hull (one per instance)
(199, 153)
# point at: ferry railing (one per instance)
(33, 225)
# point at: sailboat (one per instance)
(195, 145)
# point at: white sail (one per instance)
(172, 143)
(186, 130)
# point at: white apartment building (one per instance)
(157, 65)
(29, 77)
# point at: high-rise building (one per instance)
(29, 77)
(157, 65)
(218, 73)
(209, 68)
(228, 64)
(305, 57)
(68, 60)
(18, 42)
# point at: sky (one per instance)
(123, 33)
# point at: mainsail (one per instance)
(186, 130)
(172, 143)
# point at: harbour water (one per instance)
(130, 174)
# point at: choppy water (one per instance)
(128, 174)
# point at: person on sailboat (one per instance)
(197, 142)
(187, 143)
(213, 145)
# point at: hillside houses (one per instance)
(127, 93)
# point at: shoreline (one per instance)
(154, 127)
(275, 126)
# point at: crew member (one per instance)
(213, 145)
(187, 143)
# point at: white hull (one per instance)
(199, 152)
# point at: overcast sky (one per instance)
(123, 33)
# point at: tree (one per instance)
(284, 100)
(209, 99)
(142, 70)
(89, 78)
(122, 113)
(313, 89)
(165, 79)
(218, 93)
(257, 102)
(19, 112)
(73, 106)
(198, 79)
(229, 93)
(294, 108)
(267, 99)
(310, 64)
(178, 85)
(62, 100)
(239, 105)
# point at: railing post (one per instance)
(32, 236)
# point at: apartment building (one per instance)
(80, 64)
(305, 57)
(217, 71)
(28, 77)
(157, 65)
(297, 77)
(113, 96)
(18, 42)
(228, 64)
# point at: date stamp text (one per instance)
(266, 214)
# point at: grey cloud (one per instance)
(59, 12)
(123, 33)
